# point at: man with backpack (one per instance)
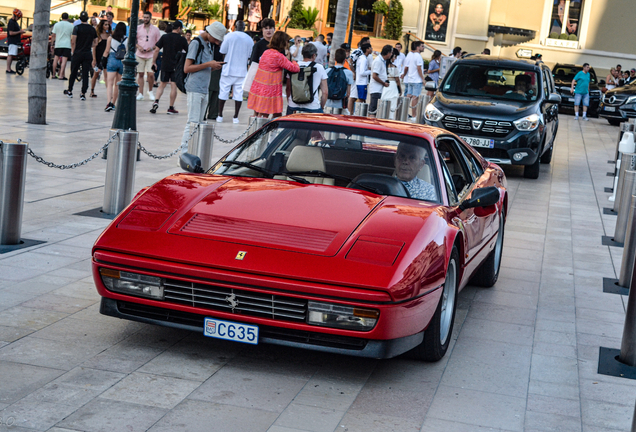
(172, 44)
(83, 40)
(302, 87)
(339, 81)
(198, 65)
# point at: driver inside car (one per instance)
(522, 85)
(409, 160)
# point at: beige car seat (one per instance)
(303, 158)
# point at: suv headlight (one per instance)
(529, 123)
(432, 114)
(339, 316)
(631, 99)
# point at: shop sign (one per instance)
(524, 53)
(562, 43)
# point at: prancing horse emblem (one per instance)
(232, 300)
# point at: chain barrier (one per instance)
(237, 138)
(154, 156)
(73, 165)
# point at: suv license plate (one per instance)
(229, 330)
(610, 109)
(479, 142)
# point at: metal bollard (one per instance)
(629, 250)
(13, 161)
(628, 163)
(204, 144)
(361, 109)
(333, 110)
(421, 109)
(626, 203)
(628, 343)
(402, 109)
(384, 109)
(120, 172)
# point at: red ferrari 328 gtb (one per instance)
(332, 233)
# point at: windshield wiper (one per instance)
(268, 173)
(318, 173)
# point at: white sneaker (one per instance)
(219, 119)
(151, 95)
(140, 97)
(585, 119)
(576, 117)
(235, 120)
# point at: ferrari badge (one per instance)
(240, 255)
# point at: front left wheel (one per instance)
(437, 335)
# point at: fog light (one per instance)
(132, 283)
(338, 316)
(518, 156)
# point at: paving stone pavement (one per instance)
(523, 357)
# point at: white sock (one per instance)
(585, 114)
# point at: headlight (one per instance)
(630, 99)
(529, 123)
(432, 114)
(338, 316)
(132, 283)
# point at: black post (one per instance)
(353, 17)
(126, 110)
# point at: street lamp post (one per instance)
(126, 110)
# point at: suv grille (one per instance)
(618, 100)
(488, 128)
(245, 302)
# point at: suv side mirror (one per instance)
(483, 197)
(556, 98)
(430, 86)
(190, 163)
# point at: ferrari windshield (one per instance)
(356, 158)
(491, 81)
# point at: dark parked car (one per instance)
(506, 109)
(619, 104)
(563, 76)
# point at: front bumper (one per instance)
(621, 112)
(567, 104)
(379, 349)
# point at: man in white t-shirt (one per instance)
(321, 57)
(232, 12)
(413, 75)
(319, 79)
(363, 72)
(379, 78)
(237, 48)
(399, 60)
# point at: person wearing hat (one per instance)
(13, 38)
(198, 65)
(83, 40)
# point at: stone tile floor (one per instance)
(524, 354)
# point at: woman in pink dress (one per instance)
(266, 93)
(254, 15)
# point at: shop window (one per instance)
(566, 20)
(364, 19)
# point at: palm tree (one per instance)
(37, 62)
(340, 28)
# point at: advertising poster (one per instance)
(437, 20)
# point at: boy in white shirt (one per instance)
(363, 72)
(319, 81)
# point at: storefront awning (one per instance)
(509, 36)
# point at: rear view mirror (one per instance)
(190, 163)
(430, 85)
(483, 197)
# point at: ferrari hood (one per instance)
(279, 215)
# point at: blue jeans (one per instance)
(114, 65)
(579, 96)
(414, 89)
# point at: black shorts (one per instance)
(373, 102)
(62, 52)
(166, 75)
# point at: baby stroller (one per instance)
(22, 59)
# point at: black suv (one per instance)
(619, 104)
(508, 110)
(563, 75)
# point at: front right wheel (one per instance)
(437, 335)
(487, 275)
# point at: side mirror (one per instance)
(430, 86)
(190, 163)
(556, 98)
(481, 198)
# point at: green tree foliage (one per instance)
(393, 28)
(296, 15)
(310, 16)
(380, 7)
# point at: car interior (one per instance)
(459, 166)
(485, 81)
(320, 154)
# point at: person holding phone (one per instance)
(236, 47)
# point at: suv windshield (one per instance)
(567, 73)
(492, 82)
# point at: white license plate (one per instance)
(479, 142)
(229, 330)
(610, 109)
(571, 99)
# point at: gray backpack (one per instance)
(302, 84)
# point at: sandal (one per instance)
(93, 94)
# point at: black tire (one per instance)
(20, 66)
(546, 157)
(438, 334)
(614, 122)
(487, 275)
(532, 171)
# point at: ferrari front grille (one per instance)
(237, 301)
